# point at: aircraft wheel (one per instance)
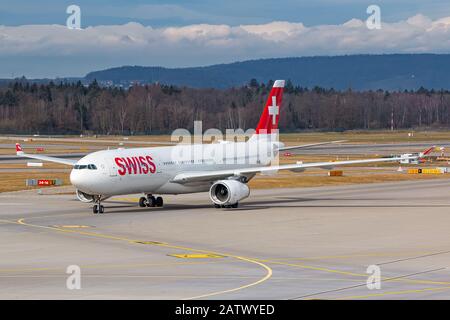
(159, 202)
(217, 206)
(235, 205)
(143, 202)
(101, 209)
(151, 201)
(94, 209)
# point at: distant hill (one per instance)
(359, 72)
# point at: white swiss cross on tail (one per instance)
(268, 122)
(274, 110)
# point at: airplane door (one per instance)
(112, 168)
(158, 167)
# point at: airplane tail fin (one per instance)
(19, 150)
(271, 113)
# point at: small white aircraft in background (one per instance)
(223, 171)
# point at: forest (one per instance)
(74, 108)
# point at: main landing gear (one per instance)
(151, 201)
(98, 208)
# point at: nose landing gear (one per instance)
(98, 208)
(151, 201)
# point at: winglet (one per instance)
(426, 152)
(19, 150)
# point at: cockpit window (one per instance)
(85, 166)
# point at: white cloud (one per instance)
(202, 44)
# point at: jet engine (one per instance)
(228, 192)
(84, 197)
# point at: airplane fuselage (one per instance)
(150, 170)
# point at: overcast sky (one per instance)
(35, 42)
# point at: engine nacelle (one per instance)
(84, 197)
(228, 192)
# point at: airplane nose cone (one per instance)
(78, 180)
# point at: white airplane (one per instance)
(223, 168)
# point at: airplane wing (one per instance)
(20, 153)
(309, 145)
(188, 177)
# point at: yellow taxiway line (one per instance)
(361, 275)
(267, 275)
(260, 262)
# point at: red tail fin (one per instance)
(18, 148)
(271, 113)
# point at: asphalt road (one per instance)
(310, 243)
